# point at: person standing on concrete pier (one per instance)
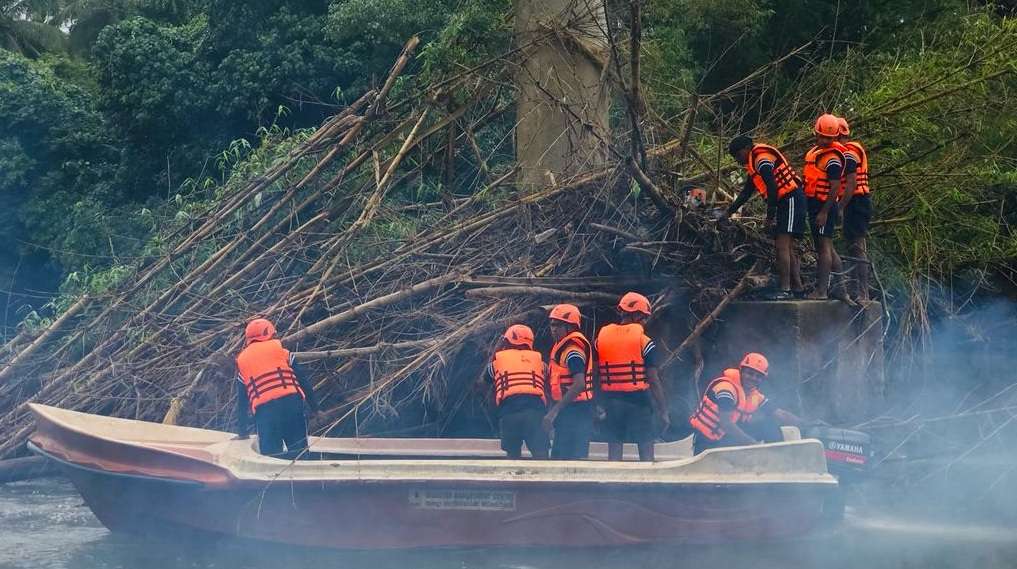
(857, 206)
(733, 411)
(772, 177)
(824, 164)
(631, 391)
(519, 376)
(570, 376)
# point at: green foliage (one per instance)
(476, 31)
(52, 122)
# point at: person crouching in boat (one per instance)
(570, 368)
(733, 410)
(518, 373)
(271, 386)
(630, 388)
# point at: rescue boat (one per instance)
(374, 493)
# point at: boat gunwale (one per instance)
(71, 464)
(243, 467)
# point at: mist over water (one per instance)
(44, 524)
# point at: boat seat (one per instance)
(791, 433)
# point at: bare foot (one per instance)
(842, 296)
(817, 296)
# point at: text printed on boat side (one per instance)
(463, 499)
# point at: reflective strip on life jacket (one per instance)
(817, 182)
(787, 180)
(560, 377)
(620, 362)
(265, 370)
(706, 419)
(862, 172)
(517, 372)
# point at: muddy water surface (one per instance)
(44, 524)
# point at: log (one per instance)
(651, 190)
(361, 309)
(361, 351)
(510, 291)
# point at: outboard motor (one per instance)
(848, 453)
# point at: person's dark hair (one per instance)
(738, 143)
(628, 317)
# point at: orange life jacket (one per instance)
(861, 174)
(787, 180)
(706, 419)
(265, 369)
(517, 372)
(620, 358)
(817, 183)
(560, 377)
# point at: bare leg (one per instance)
(859, 249)
(783, 245)
(614, 451)
(838, 278)
(646, 452)
(796, 271)
(823, 263)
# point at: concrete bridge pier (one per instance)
(826, 358)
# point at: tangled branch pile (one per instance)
(393, 299)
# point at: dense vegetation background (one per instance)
(122, 118)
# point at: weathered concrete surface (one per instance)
(563, 98)
(826, 358)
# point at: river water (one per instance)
(44, 524)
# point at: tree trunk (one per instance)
(562, 125)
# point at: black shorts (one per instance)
(572, 431)
(629, 417)
(791, 211)
(857, 216)
(519, 421)
(830, 228)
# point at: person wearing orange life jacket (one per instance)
(824, 164)
(271, 385)
(570, 369)
(733, 411)
(856, 205)
(772, 177)
(519, 377)
(631, 392)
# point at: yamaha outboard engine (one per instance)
(848, 453)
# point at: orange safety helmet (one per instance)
(755, 361)
(696, 197)
(634, 302)
(259, 330)
(827, 125)
(565, 313)
(519, 335)
(844, 129)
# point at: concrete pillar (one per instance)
(562, 123)
(826, 358)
